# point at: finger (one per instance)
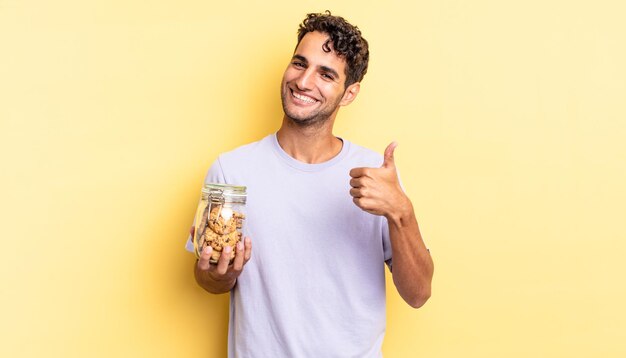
(222, 263)
(238, 262)
(192, 231)
(358, 172)
(389, 160)
(247, 249)
(364, 204)
(361, 182)
(357, 182)
(356, 192)
(205, 256)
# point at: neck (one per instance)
(311, 145)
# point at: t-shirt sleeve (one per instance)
(214, 175)
(386, 243)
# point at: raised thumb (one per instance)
(389, 160)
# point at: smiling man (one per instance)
(325, 216)
(314, 84)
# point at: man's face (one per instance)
(313, 84)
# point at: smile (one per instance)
(303, 98)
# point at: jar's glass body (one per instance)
(219, 219)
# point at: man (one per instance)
(325, 216)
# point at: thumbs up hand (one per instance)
(377, 190)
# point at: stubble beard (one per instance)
(315, 119)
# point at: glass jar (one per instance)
(219, 219)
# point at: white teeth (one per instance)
(303, 98)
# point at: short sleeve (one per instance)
(386, 242)
(215, 173)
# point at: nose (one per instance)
(304, 82)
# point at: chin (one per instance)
(305, 122)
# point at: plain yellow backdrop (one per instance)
(510, 117)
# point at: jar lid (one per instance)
(216, 189)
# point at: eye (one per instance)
(327, 76)
(298, 64)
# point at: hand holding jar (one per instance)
(219, 220)
(221, 277)
(218, 236)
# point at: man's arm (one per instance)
(221, 278)
(412, 267)
(378, 191)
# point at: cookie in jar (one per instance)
(219, 219)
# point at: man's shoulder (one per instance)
(248, 151)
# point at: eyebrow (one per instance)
(323, 68)
(330, 70)
(300, 57)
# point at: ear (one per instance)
(350, 94)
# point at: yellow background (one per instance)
(511, 123)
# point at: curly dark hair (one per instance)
(346, 40)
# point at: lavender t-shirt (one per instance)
(315, 284)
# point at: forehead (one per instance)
(312, 48)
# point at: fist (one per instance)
(377, 190)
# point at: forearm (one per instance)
(211, 285)
(412, 268)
